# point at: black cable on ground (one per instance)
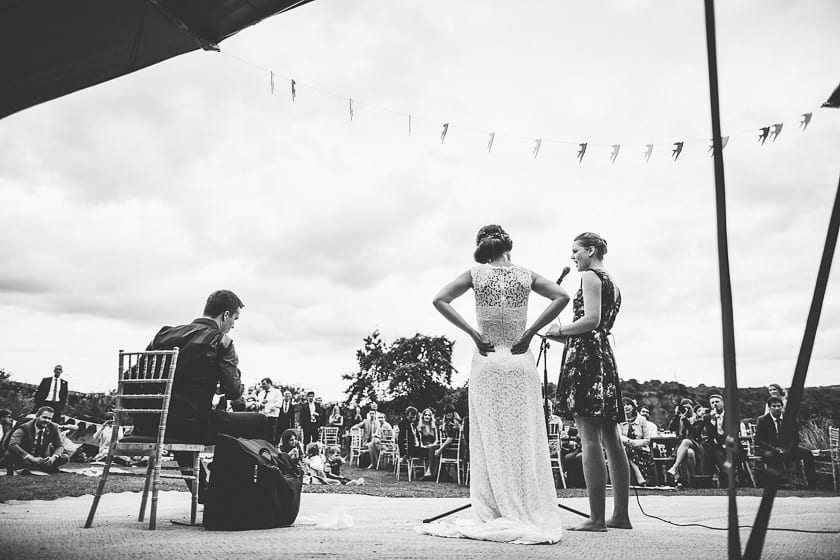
(638, 501)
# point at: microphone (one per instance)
(563, 274)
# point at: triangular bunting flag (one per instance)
(443, 132)
(294, 93)
(777, 129)
(614, 153)
(490, 142)
(763, 136)
(537, 144)
(678, 146)
(581, 151)
(648, 151)
(806, 120)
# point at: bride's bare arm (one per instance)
(559, 299)
(443, 301)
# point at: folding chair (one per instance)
(555, 451)
(831, 465)
(451, 455)
(144, 387)
(328, 435)
(388, 447)
(355, 445)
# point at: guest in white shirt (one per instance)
(269, 399)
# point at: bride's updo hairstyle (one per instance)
(491, 242)
(589, 239)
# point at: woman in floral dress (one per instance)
(588, 389)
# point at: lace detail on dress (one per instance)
(501, 302)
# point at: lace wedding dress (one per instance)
(511, 487)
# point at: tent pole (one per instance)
(731, 392)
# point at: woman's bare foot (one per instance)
(672, 471)
(591, 526)
(619, 523)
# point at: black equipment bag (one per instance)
(252, 486)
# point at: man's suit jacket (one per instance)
(23, 440)
(307, 423)
(286, 420)
(206, 359)
(43, 392)
(765, 433)
(708, 430)
(368, 427)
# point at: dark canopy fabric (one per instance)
(49, 48)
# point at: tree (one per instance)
(364, 381)
(5, 374)
(416, 370)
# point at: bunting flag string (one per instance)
(771, 131)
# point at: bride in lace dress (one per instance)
(512, 490)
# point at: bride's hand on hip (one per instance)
(483, 346)
(524, 343)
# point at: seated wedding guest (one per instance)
(686, 424)
(775, 390)
(573, 460)
(408, 436)
(102, 436)
(7, 424)
(636, 439)
(36, 445)
(352, 416)
(713, 438)
(375, 445)
(290, 445)
(429, 440)
(368, 427)
(451, 428)
(653, 429)
(207, 360)
(314, 466)
(552, 417)
(767, 431)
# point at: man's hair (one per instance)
(5, 412)
(221, 301)
(267, 379)
(775, 400)
(44, 409)
(310, 393)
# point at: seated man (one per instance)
(36, 445)
(7, 425)
(206, 360)
(767, 431)
(375, 445)
(408, 436)
(368, 427)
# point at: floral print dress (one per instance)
(588, 384)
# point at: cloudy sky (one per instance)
(124, 205)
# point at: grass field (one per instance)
(377, 483)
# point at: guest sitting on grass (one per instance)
(315, 466)
(290, 445)
(36, 445)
